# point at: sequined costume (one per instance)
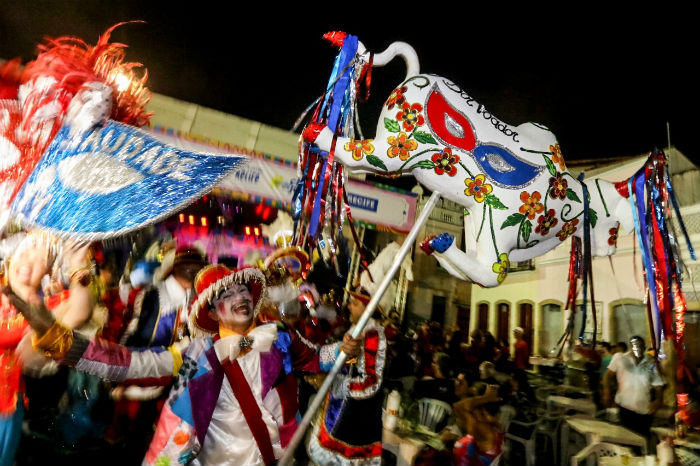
(157, 312)
(202, 422)
(348, 431)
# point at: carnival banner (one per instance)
(113, 179)
(392, 210)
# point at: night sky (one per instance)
(605, 83)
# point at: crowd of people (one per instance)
(209, 355)
(170, 360)
(477, 376)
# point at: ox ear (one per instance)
(623, 213)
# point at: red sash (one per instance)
(250, 408)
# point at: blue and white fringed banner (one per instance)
(113, 179)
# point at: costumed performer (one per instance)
(159, 318)
(33, 257)
(234, 398)
(12, 390)
(348, 430)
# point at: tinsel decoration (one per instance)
(319, 205)
(653, 204)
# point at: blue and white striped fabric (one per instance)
(113, 179)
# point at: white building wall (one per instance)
(615, 281)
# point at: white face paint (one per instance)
(234, 308)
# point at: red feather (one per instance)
(72, 62)
(10, 75)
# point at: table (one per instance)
(564, 388)
(404, 447)
(617, 461)
(582, 405)
(691, 440)
(606, 431)
(539, 361)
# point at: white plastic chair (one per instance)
(432, 412)
(549, 427)
(528, 442)
(600, 450)
(687, 457)
(506, 414)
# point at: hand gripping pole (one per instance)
(287, 458)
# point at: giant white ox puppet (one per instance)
(522, 201)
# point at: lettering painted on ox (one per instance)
(469, 100)
(481, 110)
(498, 124)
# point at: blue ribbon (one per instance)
(346, 55)
(336, 99)
(640, 224)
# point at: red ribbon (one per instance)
(249, 407)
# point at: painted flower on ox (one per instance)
(557, 187)
(410, 116)
(397, 97)
(477, 187)
(567, 230)
(501, 267)
(445, 162)
(531, 204)
(400, 145)
(358, 148)
(612, 240)
(546, 222)
(557, 157)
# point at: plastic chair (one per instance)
(526, 436)
(548, 428)
(506, 414)
(541, 393)
(600, 450)
(687, 457)
(432, 412)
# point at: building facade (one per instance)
(534, 297)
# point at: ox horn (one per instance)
(400, 49)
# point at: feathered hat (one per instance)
(210, 282)
(293, 259)
(363, 296)
(183, 254)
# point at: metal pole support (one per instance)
(287, 458)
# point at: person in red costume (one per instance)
(12, 327)
(348, 431)
(522, 361)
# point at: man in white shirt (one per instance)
(637, 375)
